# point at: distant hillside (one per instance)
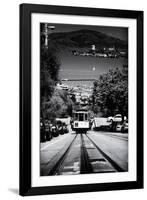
(85, 38)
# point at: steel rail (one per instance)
(110, 160)
(86, 167)
(59, 163)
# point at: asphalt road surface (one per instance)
(94, 152)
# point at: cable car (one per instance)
(81, 121)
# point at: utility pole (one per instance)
(47, 30)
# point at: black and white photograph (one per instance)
(84, 120)
(81, 99)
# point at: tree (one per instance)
(60, 105)
(110, 93)
(49, 69)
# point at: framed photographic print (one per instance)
(81, 99)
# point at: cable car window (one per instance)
(85, 117)
(76, 116)
(81, 117)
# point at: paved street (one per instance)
(70, 153)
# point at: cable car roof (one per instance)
(81, 111)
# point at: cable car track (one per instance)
(84, 156)
(86, 167)
(59, 163)
(110, 160)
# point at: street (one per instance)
(94, 152)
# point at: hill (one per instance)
(85, 38)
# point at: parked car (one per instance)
(42, 131)
(59, 125)
(118, 127)
(48, 133)
(54, 130)
(65, 128)
(116, 118)
(109, 119)
(124, 128)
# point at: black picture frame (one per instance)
(26, 11)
